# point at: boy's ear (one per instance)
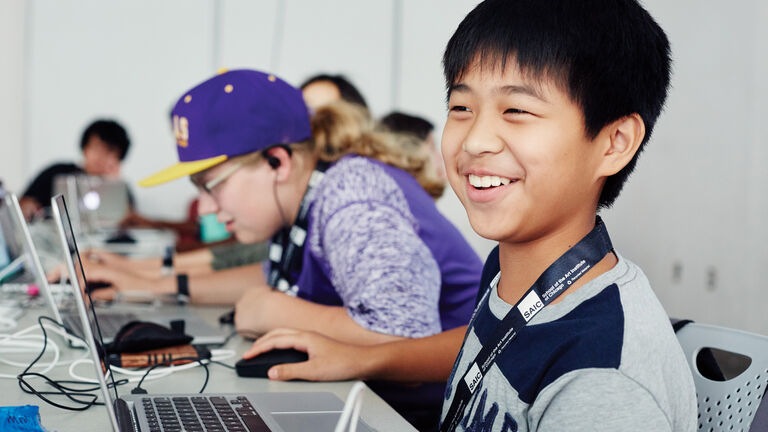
(281, 163)
(624, 138)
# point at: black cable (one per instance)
(228, 338)
(203, 362)
(277, 202)
(79, 396)
(220, 363)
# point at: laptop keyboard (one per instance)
(202, 414)
(109, 323)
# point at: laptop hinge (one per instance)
(125, 421)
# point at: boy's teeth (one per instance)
(487, 181)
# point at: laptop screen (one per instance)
(85, 307)
(5, 257)
(34, 265)
(11, 253)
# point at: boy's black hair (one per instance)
(609, 56)
(348, 92)
(109, 131)
(403, 123)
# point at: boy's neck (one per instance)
(522, 263)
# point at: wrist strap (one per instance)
(168, 258)
(182, 288)
(167, 267)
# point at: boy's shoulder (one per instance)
(613, 321)
(624, 345)
(355, 180)
(611, 335)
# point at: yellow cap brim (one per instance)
(181, 169)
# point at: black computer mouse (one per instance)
(93, 286)
(258, 366)
(121, 237)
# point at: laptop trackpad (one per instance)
(302, 422)
(297, 402)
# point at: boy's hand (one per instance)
(108, 258)
(329, 360)
(57, 273)
(119, 281)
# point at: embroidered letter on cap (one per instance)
(530, 305)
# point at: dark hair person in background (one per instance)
(422, 130)
(322, 89)
(104, 144)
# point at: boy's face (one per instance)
(320, 93)
(517, 155)
(233, 200)
(99, 159)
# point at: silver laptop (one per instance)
(96, 203)
(115, 316)
(254, 412)
(10, 205)
(13, 259)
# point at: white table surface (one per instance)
(375, 411)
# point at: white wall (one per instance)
(692, 216)
(422, 88)
(124, 60)
(697, 205)
(12, 27)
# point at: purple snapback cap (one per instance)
(234, 113)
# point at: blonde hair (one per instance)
(342, 128)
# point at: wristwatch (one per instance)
(182, 288)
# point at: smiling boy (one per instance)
(550, 102)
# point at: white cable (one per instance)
(19, 343)
(351, 412)
(46, 366)
(222, 354)
(161, 372)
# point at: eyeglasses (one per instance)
(208, 186)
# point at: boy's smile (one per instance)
(517, 155)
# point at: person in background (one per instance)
(104, 145)
(423, 132)
(322, 89)
(187, 230)
(194, 263)
(359, 250)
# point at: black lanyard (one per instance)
(555, 279)
(287, 245)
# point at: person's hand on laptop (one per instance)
(146, 267)
(108, 258)
(329, 360)
(56, 274)
(120, 281)
(134, 220)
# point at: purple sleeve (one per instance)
(384, 273)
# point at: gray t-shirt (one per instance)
(603, 359)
